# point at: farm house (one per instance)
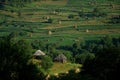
(38, 54)
(61, 58)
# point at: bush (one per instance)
(115, 19)
(50, 20)
(70, 16)
(46, 62)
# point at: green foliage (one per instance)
(105, 65)
(81, 14)
(76, 48)
(46, 62)
(115, 19)
(16, 3)
(97, 12)
(50, 20)
(107, 42)
(19, 14)
(71, 76)
(15, 60)
(2, 19)
(37, 44)
(81, 58)
(87, 51)
(22, 33)
(71, 16)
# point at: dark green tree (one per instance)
(50, 20)
(115, 19)
(38, 44)
(46, 62)
(105, 66)
(81, 14)
(71, 16)
(97, 12)
(15, 60)
(81, 58)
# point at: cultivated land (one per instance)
(32, 21)
(59, 22)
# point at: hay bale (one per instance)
(47, 77)
(76, 40)
(49, 32)
(77, 70)
(75, 26)
(60, 22)
(62, 39)
(87, 30)
(67, 72)
(56, 74)
(47, 17)
(30, 34)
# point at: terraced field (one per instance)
(32, 21)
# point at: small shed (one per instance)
(38, 53)
(61, 58)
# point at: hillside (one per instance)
(59, 39)
(61, 21)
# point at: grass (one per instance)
(63, 68)
(58, 68)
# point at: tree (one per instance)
(97, 12)
(2, 19)
(71, 16)
(81, 14)
(81, 58)
(50, 20)
(107, 42)
(46, 62)
(76, 48)
(15, 60)
(105, 66)
(115, 19)
(37, 44)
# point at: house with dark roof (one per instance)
(61, 58)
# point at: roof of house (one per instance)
(61, 57)
(39, 53)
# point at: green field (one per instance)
(30, 22)
(58, 68)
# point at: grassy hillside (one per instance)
(31, 21)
